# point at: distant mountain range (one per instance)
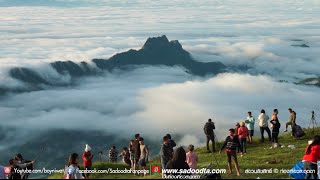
(311, 81)
(156, 51)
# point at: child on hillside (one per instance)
(192, 157)
(231, 143)
(243, 133)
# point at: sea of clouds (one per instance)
(158, 100)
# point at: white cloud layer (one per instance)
(155, 101)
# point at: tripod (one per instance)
(313, 122)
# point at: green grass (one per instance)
(259, 156)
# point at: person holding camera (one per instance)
(208, 130)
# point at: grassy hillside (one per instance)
(259, 156)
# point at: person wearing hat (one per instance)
(87, 160)
(292, 119)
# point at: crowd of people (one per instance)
(136, 155)
(243, 132)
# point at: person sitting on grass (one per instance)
(243, 133)
(231, 143)
(311, 156)
(192, 157)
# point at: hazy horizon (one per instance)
(264, 36)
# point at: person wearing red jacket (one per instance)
(243, 133)
(310, 158)
(87, 160)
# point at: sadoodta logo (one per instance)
(155, 169)
(7, 170)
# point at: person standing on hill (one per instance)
(144, 155)
(292, 119)
(236, 128)
(310, 158)
(192, 157)
(243, 133)
(275, 125)
(113, 155)
(264, 125)
(172, 144)
(165, 155)
(136, 151)
(131, 151)
(236, 134)
(125, 154)
(208, 130)
(87, 160)
(231, 144)
(250, 125)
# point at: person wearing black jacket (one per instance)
(172, 144)
(208, 130)
(136, 151)
(165, 155)
(231, 144)
(275, 125)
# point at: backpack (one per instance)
(278, 125)
(298, 169)
(208, 128)
(299, 132)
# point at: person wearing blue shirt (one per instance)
(250, 125)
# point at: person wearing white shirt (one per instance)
(263, 123)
